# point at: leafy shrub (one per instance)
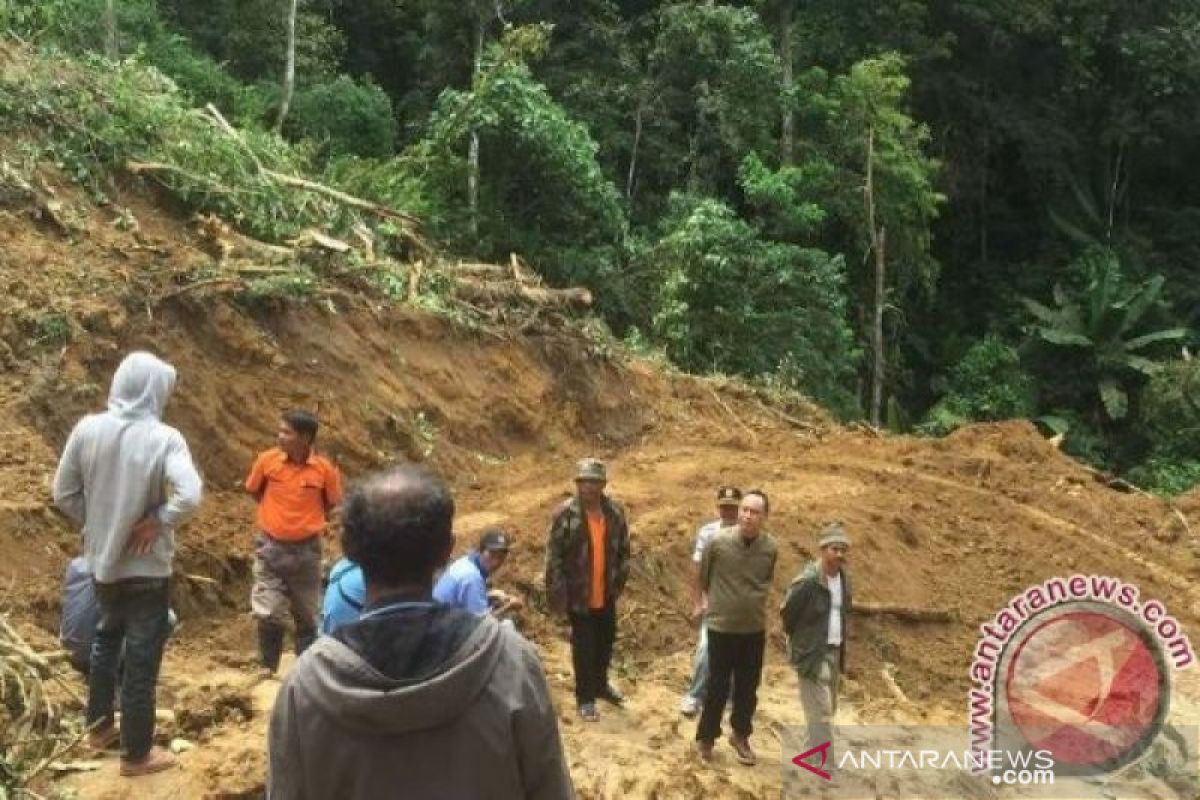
(1170, 419)
(730, 302)
(347, 117)
(987, 383)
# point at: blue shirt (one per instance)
(464, 584)
(344, 597)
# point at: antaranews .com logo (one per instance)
(1077, 667)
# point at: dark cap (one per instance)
(495, 539)
(729, 496)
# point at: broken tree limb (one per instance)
(733, 416)
(911, 614)
(893, 687)
(343, 198)
(311, 237)
(236, 283)
(139, 167)
(481, 270)
(411, 223)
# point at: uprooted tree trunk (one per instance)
(907, 613)
(494, 293)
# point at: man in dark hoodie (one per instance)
(415, 699)
(128, 480)
(587, 564)
(814, 615)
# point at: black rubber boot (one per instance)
(270, 644)
(304, 639)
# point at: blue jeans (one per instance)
(133, 618)
(700, 667)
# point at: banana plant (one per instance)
(1105, 323)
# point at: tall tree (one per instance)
(289, 69)
(112, 47)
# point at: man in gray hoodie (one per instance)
(416, 698)
(128, 480)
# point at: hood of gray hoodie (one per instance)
(141, 387)
(358, 696)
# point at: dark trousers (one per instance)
(133, 618)
(592, 636)
(737, 657)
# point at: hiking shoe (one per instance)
(741, 746)
(704, 749)
(609, 694)
(689, 706)
(156, 760)
(106, 738)
(588, 712)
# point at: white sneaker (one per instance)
(689, 706)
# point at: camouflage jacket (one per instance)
(569, 556)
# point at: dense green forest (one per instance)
(919, 212)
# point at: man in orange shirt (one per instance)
(295, 489)
(587, 564)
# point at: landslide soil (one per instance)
(959, 524)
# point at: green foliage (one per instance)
(787, 200)
(106, 115)
(346, 117)
(541, 189)
(987, 383)
(202, 80)
(1170, 421)
(870, 104)
(1104, 327)
(731, 302)
(1167, 476)
(248, 36)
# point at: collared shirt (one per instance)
(835, 608)
(737, 575)
(464, 584)
(596, 530)
(294, 498)
(345, 597)
(704, 537)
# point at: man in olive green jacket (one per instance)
(587, 564)
(814, 614)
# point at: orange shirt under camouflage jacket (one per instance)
(569, 556)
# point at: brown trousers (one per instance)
(287, 577)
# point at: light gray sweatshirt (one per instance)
(124, 464)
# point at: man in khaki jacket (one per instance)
(415, 699)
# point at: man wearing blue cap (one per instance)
(464, 583)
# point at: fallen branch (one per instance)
(893, 687)
(910, 614)
(139, 167)
(796, 423)
(733, 416)
(496, 293)
(311, 237)
(191, 287)
(343, 198)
